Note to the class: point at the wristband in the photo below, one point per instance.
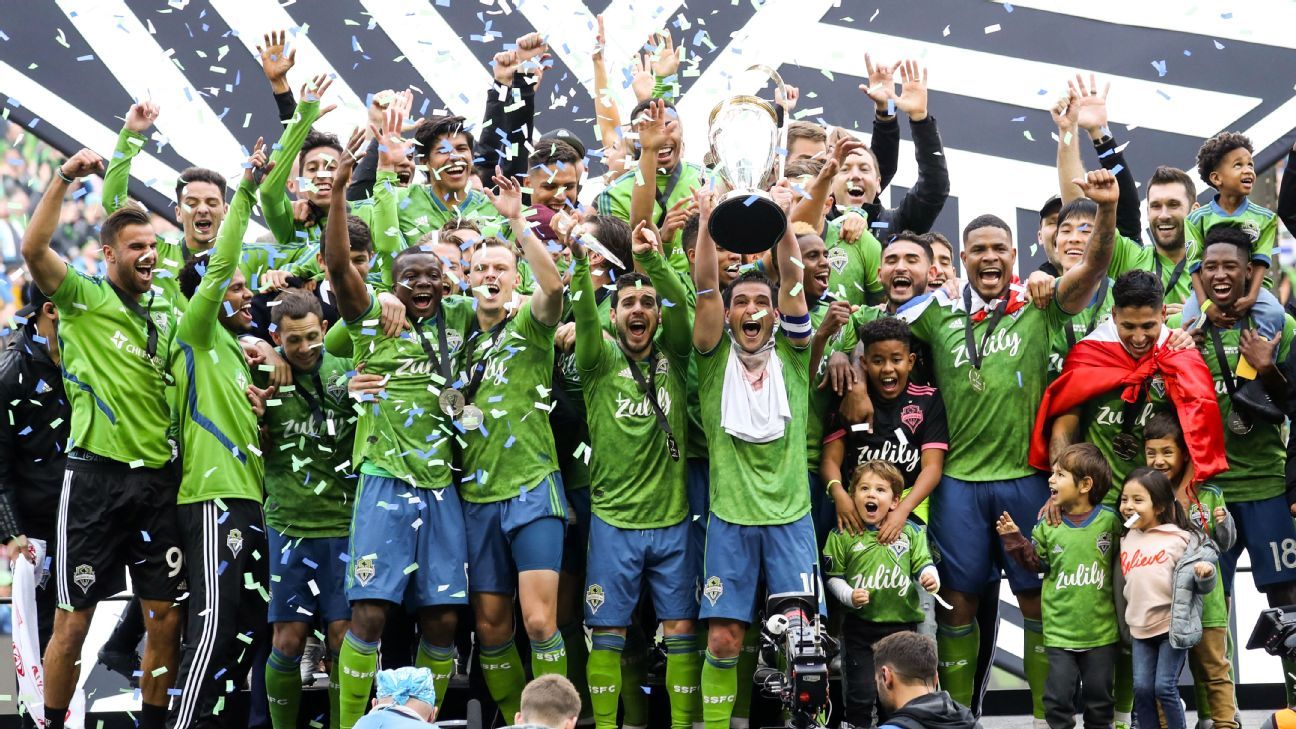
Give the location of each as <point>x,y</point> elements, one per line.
<point>796,326</point>
<point>829,485</point>
<point>63,177</point>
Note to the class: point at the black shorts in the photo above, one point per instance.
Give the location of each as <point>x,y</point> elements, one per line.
<point>110,517</point>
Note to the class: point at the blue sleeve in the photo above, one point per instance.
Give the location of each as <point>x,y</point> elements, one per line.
<point>1268,314</point>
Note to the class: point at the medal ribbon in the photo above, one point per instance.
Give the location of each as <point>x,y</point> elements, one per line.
<point>975,356</point>
<point>649,389</point>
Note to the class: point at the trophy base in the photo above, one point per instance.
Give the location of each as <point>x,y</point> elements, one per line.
<point>747,222</point>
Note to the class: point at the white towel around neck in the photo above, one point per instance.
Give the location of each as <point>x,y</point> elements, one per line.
<point>751,415</point>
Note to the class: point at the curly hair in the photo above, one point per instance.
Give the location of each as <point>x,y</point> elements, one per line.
<point>1214,150</point>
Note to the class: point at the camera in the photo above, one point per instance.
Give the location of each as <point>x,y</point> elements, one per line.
<point>1275,632</point>
<point>795,641</point>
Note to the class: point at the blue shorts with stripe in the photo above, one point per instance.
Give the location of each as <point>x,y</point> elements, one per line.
<point>515,535</point>
<point>407,544</point>
<point>307,579</point>
<point>962,535</point>
<point>739,558</point>
<point>623,560</point>
<point>1266,530</point>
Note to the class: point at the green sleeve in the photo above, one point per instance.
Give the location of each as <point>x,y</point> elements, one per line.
<point>872,264</point>
<point>675,319</point>
<point>1122,255</point>
<point>1039,540</point>
<point>615,199</point>
<point>274,196</point>
<point>117,177</point>
<point>75,289</point>
<point>834,565</point>
<point>384,223</point>
<point>921,557</point>
<point>666,87</point>
<point>1284,346</point>
<point>198,327</point>
<point>1265,243</point>
<point>337,341</point>
<point>1194,235</point>
<point>589,333</point>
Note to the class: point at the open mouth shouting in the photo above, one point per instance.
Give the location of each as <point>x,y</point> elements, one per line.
<point>991,275</point>
<point>854,192</point>
<point>821,278</point>
<point>751,329</point>
<point>872,511</point>
<point>889,384</point>
<point>204,227</point>
<point>144,270</point>
<point>455,171</point>
<point>637,327</point>
<point>901,286</point>
<point>245,314</point>
<point>665,156</point>
<point>422,300</point>
<point>1222,289</point>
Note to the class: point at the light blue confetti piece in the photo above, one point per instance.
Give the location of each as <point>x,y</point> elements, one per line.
<point>509,443</point>
<point>1160,67</point>
<point>1019,378</point>
<point>1226,16</point>
<point>1019,118</point>
<point>1117,169</point>
<point>1218,46</point>
<point>1187,52</point>
<point>1163,94</point>
<point>1008,7</point>
<point>146,537</point>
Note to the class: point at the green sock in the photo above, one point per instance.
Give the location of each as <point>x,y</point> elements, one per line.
<point>1289,683</point>
<point>577,658</point>
<point>441,661</point>
<point>719,687</point>
<point>1124,686</point>
<point>283,689</point>
<point>636,712</point>
<point>502,671</point>
<point>1035,661</point>
<point>683,674</point>
<point>335,717</point>
<point>549,656</point>
<point>357,664</point>
<point>604,673</point>
<point>957,646</point>
<point>746,670</point>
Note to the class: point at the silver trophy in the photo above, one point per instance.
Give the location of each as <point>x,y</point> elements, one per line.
<point>746,134</point>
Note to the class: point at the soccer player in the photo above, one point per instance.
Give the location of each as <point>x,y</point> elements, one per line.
<point>219,504</point>
<point>635,390</point>
<point>407,529</point>
<point>511,482</point>
<point>989,361</point>
<point>754,384</point>
<point>1254,483</point>
<point>118,490</point>
<point>316,159</point>
<point>1075,224</point>
<point>310,491</point>
<point>943,256</point>
<point>555,172</point>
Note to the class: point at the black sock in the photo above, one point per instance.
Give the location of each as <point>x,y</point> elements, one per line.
<point>54,717</point>
<point>152,717</point>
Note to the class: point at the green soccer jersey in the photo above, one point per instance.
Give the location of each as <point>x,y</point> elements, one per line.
<point>220,440</point>
<point>1260,223</point>
<point>420,211</point>
<point>1203,501</point>
<point>757,484</point>
<point>1102,420</point>
<point>823,401</point>
<point>615,201</point>
<point>888,571</point>
<point>635,483</point>
<point>990,428</point>
<point>120,395</point>
<point>1079,326</point>
<point>403,434</point>
<point>275,205</point>
<point>853,267</point>
<point>1128,255</point>
<point>1078,598</point>
<point>1255,459</point>
<point>576,472</point>
<point>310,485</point>
<point>513,450</point>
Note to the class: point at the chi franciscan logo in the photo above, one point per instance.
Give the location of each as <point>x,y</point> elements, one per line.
<point>234,540</point>
<point>713,589</point>
<point>84,577</point>
<point>1104,543</point>
<point>911,415</point>
<point>364,571</point>
<point>595,598</point>
<point>118,339</point>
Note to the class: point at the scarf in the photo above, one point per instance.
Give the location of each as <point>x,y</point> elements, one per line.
<point>747,414</point>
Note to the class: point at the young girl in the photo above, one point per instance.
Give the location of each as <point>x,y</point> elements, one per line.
<point>1167,564</point>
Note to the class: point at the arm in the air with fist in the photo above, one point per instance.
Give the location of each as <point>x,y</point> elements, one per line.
<point>134,134</point>
<point>275,205</point>
<point>46,267</point>
<point>1025,552</point>
<point>1076,288</point>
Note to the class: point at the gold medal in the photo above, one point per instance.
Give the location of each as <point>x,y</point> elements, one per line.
<point>452,402</point>
<point>1125,446</point>
<point>974,377</point>
<point>1238,423</point>
<point>471,417</point>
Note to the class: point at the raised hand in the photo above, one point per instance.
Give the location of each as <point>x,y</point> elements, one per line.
<point>913,90</point>
<point>600,40</point>
<point>666,59</point>
<point>881,83</point>
<point>783,195</point>
<point>1099,186</point>
<point>508,201</point>
<point>655,126</point>
<point>258,163</point>
<point>274,61</point>
<point>644,239</point>
<point>641,77</point>
<point>1091,106</point>
<point>350,157</point>
<point>839,312</point>
<point>705,200</point>
<point>790,103</point>
<point>312,91</point>
<point>393,149</point>
<point>141,116</point>
<point>1065,113</point>
<point>505,65</point>
<point>1006,525</point>
<point>81,164</point>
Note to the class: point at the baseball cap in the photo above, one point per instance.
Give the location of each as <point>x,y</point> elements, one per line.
<point>1052,206</point>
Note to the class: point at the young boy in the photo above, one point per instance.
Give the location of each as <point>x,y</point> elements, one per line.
<point>1164,450</point>
<point>1076,557</point>
<point>909,430</point>
<point>875,580</point>
<point>1224,162</point>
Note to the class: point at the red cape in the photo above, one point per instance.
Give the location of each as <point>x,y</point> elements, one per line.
<point>1098,364</point>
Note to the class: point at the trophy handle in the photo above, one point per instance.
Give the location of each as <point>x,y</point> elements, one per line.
<point>780,160</point>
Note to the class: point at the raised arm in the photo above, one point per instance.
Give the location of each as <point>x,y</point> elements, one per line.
<point>1069,167</point>
<point>655,127</point>
<point>589,331</point>
<point>791,292</point>
<point>276,62</point>
<point>275,205</point>
<point>885,142</point>
<point>1076,288</point>
<point>116,189</point>
<point>547,299</point>
<point>606,113</point>
<point>810,209</point>
<point>708,316</point>
<point>45,266</point>
<point>676,328</point>
<point>923,202</point>
<point>348,285</point>
<point>384,223</point>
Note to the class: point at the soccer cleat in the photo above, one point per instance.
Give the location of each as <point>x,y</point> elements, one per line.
<point>312,657</point>
<point>123,663</point>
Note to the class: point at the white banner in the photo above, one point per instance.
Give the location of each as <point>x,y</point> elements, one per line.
<point>26,641</point>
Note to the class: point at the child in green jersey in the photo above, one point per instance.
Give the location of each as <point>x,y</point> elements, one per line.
<point>1224,162</point>
<point>1081,636</point>
<point>1164,450</point>
<point>875,581</point>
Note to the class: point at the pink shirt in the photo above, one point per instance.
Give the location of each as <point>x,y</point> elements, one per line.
<point>1148,559</point>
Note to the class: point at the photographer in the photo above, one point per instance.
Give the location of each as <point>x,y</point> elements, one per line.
<point>906,686</point>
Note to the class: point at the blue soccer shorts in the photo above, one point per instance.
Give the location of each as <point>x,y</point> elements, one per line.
<point>965,544</point>
<point>307,579</point>
<point>515,535</point>
<point>1266,530</point>
<point>739,557</point>
<point>622,560</point>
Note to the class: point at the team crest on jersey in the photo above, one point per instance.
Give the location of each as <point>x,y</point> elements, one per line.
<point>858,547</point>
<point>454,339</point>
<point>1252,229</point>
<point>336,389</point>
<point>1158,385</point>
<point>713,589</point>
<point>162,321</point>
<point>663,367</point>
<point>1104,543</point>
<point>1196,514</point>
<point>364,571</point>
<point>912,416</point>
<point>900,546</point>
<point>234,540</point>
<point>595,598</point>
<point>838,259</point>
<point>84,577</point>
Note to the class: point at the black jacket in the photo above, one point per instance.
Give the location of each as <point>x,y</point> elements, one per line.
<point>31,445</point>
<point>932,711</point>
<point>923,202</point>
